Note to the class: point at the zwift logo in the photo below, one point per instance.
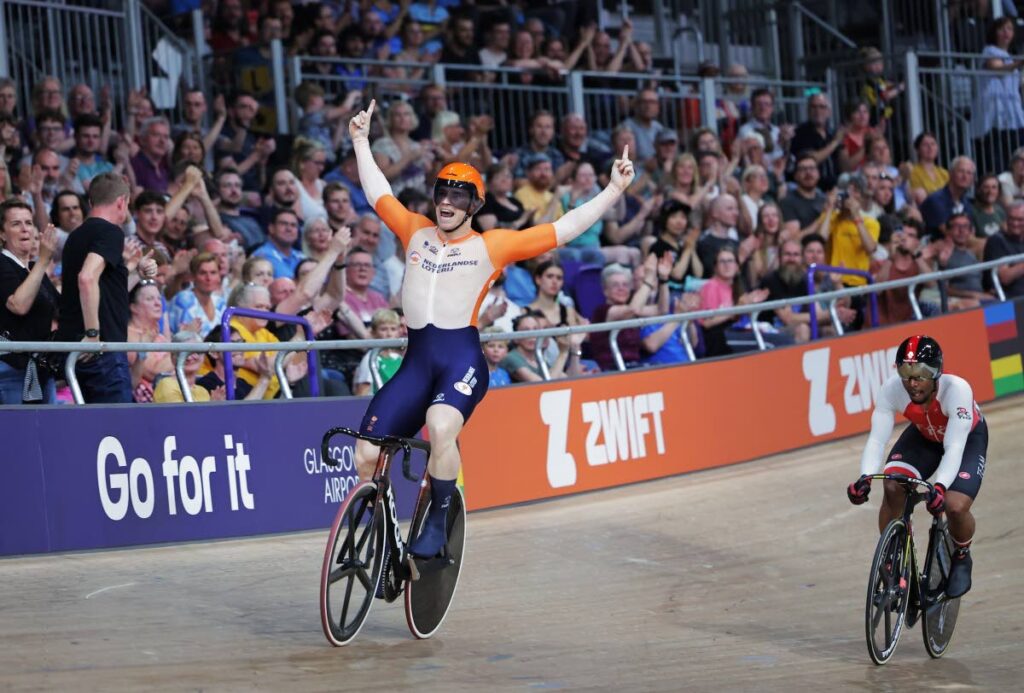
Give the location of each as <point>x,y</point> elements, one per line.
<point>619,430</point>
<point>864,374</point>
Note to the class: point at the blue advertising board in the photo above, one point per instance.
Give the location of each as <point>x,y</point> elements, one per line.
<point>95,477</point>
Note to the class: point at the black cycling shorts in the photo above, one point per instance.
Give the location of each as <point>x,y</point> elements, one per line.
<point>915,455</point>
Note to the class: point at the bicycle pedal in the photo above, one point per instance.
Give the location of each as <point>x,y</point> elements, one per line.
<point>414,571</point>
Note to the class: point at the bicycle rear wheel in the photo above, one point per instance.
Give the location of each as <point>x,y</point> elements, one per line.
<point>352,565</point>
<point>938,618</point>
<point>428,599</point>
<point>888,592</point>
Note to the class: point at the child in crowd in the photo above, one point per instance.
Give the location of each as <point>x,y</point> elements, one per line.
<point>495,352</point>
<point>322,123</point>
<point>876,90</point>
<point>385,324</point>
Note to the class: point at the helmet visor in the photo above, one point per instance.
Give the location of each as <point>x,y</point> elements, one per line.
<point>919,371</point>
<point>457,197</point>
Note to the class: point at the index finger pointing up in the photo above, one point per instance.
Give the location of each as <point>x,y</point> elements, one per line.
<point>625,153</point>
<point>369,110</point>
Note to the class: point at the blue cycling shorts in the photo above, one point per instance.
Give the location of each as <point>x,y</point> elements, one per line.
<point>439,367</point>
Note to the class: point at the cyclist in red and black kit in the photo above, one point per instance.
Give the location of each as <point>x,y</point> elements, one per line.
<point>448,269</point>
<point>947,437</point>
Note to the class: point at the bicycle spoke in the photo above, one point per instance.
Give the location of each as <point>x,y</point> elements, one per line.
<point>344,607</point>
<point>365,579</point>
<point>888,627</point>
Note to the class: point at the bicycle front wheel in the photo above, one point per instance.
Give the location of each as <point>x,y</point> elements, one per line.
<point>352,565</point>
<point>888,592</point>
<point>938,617</point>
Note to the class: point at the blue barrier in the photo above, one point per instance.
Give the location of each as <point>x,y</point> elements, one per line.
<point>88,478</point>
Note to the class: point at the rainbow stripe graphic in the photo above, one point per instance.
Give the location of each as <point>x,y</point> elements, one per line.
<point>1001,322</point>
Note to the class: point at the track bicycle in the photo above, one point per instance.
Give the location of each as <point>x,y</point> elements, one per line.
<point>900,591</point>
<point>367,557</point>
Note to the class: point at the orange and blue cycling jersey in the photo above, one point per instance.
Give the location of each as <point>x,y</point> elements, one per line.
<point>445,283</point>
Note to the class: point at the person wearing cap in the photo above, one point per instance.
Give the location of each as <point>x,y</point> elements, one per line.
<point>537,194</point>
<point>449,269</point>
<point>877,91</point>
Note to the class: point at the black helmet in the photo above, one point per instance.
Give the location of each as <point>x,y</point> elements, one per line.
<point>919,356</point>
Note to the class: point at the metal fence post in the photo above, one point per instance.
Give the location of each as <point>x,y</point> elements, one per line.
<point>661,33</point>
<point>724,56</point>
<point>201,51</point>
<point>280,87</point>
<point>437,72</point>
<point>915,116</point>
<point>133,45</point>
<point>708,113</point>
<point>577,103</point>
<point>773,43</point>
<point>796,40</point>
<point>5,65</point>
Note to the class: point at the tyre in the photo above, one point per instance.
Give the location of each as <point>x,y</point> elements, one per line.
<point>888,592</point>
<point>938,619</point>
<point>352,565</point>
<point>428,599</point>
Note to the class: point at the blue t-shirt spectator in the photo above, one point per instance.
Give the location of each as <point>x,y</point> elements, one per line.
<point>672,351</point>
<point>284,265</point>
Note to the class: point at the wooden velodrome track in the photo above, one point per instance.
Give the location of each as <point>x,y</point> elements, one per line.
<point>750,577</point>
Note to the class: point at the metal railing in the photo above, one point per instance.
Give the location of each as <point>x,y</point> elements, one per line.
<point>118,44</point>
<point>815,269</point>
<point>605,99</point>
<point>311,359</point>
<point>76,349</point>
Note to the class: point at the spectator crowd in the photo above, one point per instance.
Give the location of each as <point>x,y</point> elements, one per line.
<point>149,230</point>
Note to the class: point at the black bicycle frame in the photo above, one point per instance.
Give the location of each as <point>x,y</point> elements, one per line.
<point>388,445</point>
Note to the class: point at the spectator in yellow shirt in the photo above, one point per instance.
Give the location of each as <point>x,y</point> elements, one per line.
<point>853,237</point>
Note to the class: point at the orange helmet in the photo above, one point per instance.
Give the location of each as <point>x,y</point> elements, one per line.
<point>463,177</point>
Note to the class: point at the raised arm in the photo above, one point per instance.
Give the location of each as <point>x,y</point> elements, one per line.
<point>575,222</point>
<point>375,185</point>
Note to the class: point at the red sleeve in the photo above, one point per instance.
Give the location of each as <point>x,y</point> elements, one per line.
<point>506,246</point>
<point>400,220</point>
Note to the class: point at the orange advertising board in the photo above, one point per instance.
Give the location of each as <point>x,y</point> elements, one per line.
<point>538,441</point>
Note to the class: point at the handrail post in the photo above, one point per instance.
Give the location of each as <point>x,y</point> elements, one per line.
<point>998,285</point>
<point>613,342</point>
<point>179,373</point>
<point>375,378</point>
<point>756,329</point>
<point>914,305</point>
<point>72,377</point>
<point>282,377</point>
<point>685,330</point>
<point>201,50</point>
<point>538,353</point>
<point>812,307</point>
<point>837,324</point>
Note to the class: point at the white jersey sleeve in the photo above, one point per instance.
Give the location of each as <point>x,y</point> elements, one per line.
<point>957,402</point>
<point>892,399</point>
